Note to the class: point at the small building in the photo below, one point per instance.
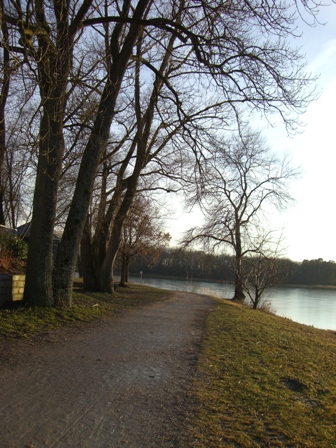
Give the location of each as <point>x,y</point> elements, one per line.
<point>24,233</point>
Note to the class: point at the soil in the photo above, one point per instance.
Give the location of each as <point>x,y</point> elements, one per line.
<point>119,382</point>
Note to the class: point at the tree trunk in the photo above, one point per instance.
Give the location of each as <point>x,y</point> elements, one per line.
<point>123,274</point>
<point>72,234</point>
<point>94,150</point>
<point>106,282</point>
<point>127,269</point>
<point>38,285</point>
<point>121,208</point>
<point>3,100</point>
<point>104,221</point>
<point>101,235</point>
<point>54,63</point>
<point>239,295</point>
<point>106,273</point>
<point>90,281</point>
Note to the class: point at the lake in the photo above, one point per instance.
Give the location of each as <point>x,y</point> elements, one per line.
<point>316,307</point>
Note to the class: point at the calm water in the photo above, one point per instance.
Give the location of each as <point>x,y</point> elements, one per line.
<point>315,307</point>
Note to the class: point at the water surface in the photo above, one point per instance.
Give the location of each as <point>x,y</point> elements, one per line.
<point>316,307</point>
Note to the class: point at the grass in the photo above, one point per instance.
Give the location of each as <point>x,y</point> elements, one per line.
<point>264,381</point>
<point>25,322</point>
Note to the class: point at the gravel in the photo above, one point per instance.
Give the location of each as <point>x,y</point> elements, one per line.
<point>119,382</point>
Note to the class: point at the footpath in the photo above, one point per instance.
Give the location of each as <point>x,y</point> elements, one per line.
<point>120,382</point>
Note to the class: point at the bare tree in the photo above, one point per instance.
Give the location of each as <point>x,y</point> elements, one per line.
<point>244,180</point>
<point>264,269</point>
<point>121,43</point>
<point>19,164</point>
<point>44,34</point>
<point>6,72</point>
<point>142,235</point>
<point>144,152</point>
<point>235,78</point>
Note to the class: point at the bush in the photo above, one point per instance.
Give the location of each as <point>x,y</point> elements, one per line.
<point>13,251</point>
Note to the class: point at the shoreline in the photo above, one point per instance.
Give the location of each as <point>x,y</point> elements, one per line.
<point>223,282</point>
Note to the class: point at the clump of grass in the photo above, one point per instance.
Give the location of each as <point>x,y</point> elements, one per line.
<point>21,321</point>
<point>264,381</point>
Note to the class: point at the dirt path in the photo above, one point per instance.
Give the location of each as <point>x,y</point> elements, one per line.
<point>116,383</point>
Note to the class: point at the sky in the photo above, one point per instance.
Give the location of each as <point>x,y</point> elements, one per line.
<point>309,226</point>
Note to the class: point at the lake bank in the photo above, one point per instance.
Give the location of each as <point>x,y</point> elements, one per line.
<point>264,381</point>
<point>143,277</point>
<point>309,306</point>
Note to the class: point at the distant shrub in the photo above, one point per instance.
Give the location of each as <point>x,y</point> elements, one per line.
<point>266,307</point>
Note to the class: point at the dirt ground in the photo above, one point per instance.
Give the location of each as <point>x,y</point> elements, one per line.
<point>120,382</point>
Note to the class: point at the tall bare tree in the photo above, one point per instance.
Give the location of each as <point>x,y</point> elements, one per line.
<point>45,35</point>
<point>122,41</point>
<point>6,73</point>
<point>213,76</point>
<point>243,181</point>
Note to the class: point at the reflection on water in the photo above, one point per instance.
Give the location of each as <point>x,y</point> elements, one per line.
<point>315,307</point>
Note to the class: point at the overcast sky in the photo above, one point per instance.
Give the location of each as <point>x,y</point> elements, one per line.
<point>310,225</point>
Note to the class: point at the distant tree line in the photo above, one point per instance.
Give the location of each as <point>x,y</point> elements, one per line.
<point>187,264</point>
<point>315,272</point>
<point>196,264</point>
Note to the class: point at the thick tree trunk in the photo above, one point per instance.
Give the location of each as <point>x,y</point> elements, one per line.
<point>38,285</point>
<point>239,295</point>
<point>54,67</point>
<point>72,234</point>
<point>54,63</point>
<point>69,247</point>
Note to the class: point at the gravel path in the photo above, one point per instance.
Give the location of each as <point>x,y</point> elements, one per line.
<point>120,382</point>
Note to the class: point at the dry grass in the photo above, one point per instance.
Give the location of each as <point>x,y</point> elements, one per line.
<point>264,381</point>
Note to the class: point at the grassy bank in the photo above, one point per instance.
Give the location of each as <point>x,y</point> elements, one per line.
<point>25,322</point>
<point>264,381</point>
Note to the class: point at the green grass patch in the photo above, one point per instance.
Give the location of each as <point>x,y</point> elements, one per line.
<point>20,321</point>
<point>264,381</point>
